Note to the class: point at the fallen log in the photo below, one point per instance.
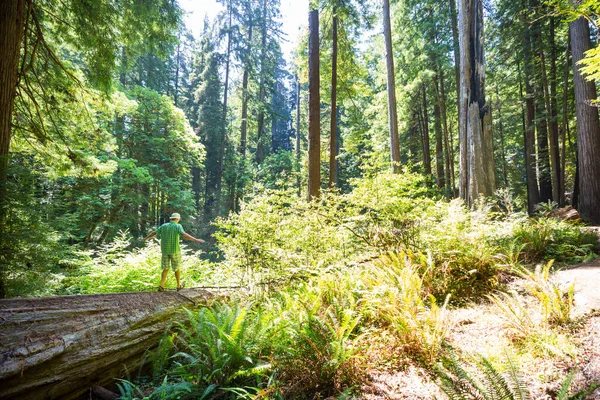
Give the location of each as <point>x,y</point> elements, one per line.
<point>57,347</point>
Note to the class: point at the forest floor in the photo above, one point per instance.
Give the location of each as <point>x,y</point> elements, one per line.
<point>477,329</point>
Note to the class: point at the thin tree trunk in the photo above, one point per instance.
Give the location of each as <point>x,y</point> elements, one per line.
<point>439,147</point>
<point>314,108</point>
<point>533,193</point>
<point>298,181</point>
<point>448,149</point>
<point>426,146</point>
<point>588,126</point>
<point>558,186</point>
<point>260,139</point>
<point>177,62</point>
<point>244,127</point>
<point>565,119</point>
<point>501,133</point>
<point>333,127</point>
<point>225,93</point>
<point>391,89</point>
<point>541,110</point>
<point>456,48</point>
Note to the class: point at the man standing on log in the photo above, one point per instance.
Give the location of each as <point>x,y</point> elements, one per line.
<point>169,234</point>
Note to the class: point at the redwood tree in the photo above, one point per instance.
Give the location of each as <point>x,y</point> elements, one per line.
<point>314,107</point>
<point>588,126</point>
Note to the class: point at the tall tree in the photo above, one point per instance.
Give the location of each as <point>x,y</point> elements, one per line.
<point>314,107</point>
<point>391,89</point>
<point>588,126</point>
<point>477,176</point>
<point>333,125</point>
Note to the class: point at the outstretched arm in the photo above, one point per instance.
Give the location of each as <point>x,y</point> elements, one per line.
<point>193,239</point>
<point>150,236</point>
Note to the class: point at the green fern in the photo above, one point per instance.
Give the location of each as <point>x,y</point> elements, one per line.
<point>486,382</point>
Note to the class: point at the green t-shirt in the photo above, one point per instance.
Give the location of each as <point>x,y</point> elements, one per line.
<point>169,238</point>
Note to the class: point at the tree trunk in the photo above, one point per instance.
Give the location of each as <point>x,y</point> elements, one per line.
<point>12,19</point>
<point>260,137</point>
<point>244,127</point>
<point>57,347</point>
<point>391,89</point>
<point>439,147</point>
<point>565,119</point>
<point>588,126</point>
<point>541,111</point>
<point>501,133</point>
<point>456,48</point>
<point>177,62</point>
<point>314,108</point>
<point>558,186</point>
<point>333,127</point>
<point>224,139</point>
<point>477,175</point>
<point>533,192</point>
<point>447,147</point>
<point>426,147</point>
<point>298,182</point>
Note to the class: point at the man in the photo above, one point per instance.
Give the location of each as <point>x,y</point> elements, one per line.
<point>169,234</point>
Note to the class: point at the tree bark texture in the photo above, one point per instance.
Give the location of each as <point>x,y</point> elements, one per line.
<point>225,94</point>
<point>57,347</point>
<point>588,126</point>
<point>12,20</point>
<point>391,89</point>
<point>314,108</point>
<point>477,175</point>
<point>426,146</point>
<point>333,126</point>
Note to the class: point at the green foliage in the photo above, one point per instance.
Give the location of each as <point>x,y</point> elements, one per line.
<point>222,346</point>
<point>398,297</point>
<point>318,345</point>
<point>487,381</point>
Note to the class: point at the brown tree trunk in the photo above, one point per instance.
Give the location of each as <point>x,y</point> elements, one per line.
<point>501,133</point>
<point>477,175</point>
<point>439,147</point>
<point>333,127</point>
<point>225,93</point>
<point>260,136</point>
<point>558,186</point>
<point>314,108</point>
<point>298,183</point>
<point>533,193</point>
<point>57,347</point>
<point>12,20</point>
<point>588,126</point>
<point>565,120</point>
<point>391,89</point>
<point>426,146</point>
<point>447,147</point>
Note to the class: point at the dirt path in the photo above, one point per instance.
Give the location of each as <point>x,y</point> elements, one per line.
<point>587,285</point>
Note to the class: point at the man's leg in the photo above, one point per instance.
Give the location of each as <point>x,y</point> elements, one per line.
<point>176,262</point>
<point>163,278</point>
<point>178,278</point>
<point>164,263</point>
